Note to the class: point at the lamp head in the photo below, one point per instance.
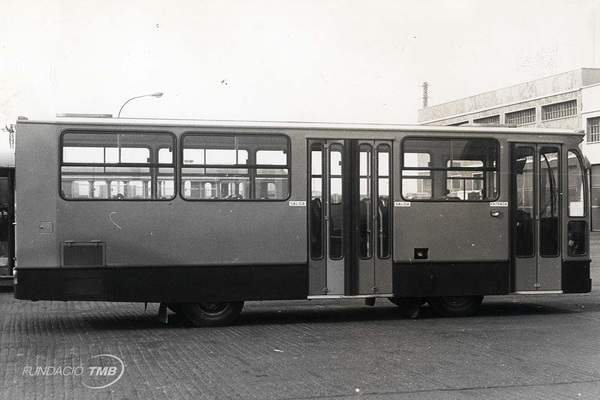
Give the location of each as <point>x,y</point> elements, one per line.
<point>157,94</point>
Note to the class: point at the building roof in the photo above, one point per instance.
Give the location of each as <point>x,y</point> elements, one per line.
<point>552,85</point>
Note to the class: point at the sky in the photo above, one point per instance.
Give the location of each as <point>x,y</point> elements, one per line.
<point>318,61</point>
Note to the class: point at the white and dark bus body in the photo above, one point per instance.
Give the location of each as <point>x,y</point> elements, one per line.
<point>202,216</point>
<point>7,213</point>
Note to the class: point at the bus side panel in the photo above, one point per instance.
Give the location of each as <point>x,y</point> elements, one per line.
<point>451,279</point>
<point>575,276</point>
<point>451,231</point>
<point>173,250</point>
<point>173,284</point>
<point>450,249</point>
<point>195,233</point>
<point>188,233</point>
<point>36,165</point>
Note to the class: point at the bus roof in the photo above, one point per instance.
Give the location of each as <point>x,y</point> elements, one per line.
<point>155,122</point>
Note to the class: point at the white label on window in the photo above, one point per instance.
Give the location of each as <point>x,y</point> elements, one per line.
<point>499,204</point>
<point>297,203</point>
<point>402,204</point>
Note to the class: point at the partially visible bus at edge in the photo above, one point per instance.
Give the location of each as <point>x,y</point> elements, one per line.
<point>203,216</point>
<point>7,213</point>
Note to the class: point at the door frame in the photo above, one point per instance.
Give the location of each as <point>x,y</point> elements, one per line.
<point>350,275</point>
<point>546,268</point>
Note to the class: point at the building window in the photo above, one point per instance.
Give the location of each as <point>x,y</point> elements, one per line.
<point>521,117</point>
<point>593,129</point>
<point>493,119</point>
<point>559,110</point>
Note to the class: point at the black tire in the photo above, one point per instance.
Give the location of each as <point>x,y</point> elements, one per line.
<point>211,313</point>
<point>456,306</point>
<point>398,300</point>
<point>409,306</point>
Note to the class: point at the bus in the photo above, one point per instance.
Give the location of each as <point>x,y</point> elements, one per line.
<point>7,212</point>
<point>201,216</point>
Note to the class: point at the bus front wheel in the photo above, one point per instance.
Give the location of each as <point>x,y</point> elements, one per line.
<point>456,306</point>
<point>212,313</point>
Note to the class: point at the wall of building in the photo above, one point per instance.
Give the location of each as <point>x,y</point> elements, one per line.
<point>591,109</point>
<point>541,90</point>
<point>571,122</point>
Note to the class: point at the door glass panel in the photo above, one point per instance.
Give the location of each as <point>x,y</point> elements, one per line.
<point>383,201</point>
<point>4,221</point>
<point>595,197</point>
<point>549,205</point>
<point>365,220</point>
<point>577,238</point>
<point>576,188</point>
<point>336,227</point>
<point>316,202</point>
<point>525,201</point>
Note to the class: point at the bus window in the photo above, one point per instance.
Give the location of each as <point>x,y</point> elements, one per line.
<point>271,181</point>
<point>416,180</point>
<point>465,184</point>
<point>100,189</point>
<point>240,167</point>
<point>549,205</point>
<point>524,201</point>
<point>450,169</point>
<point>577,238</point>
<point>336,225</point>
<point>316,206</point>
<point>116,166</point>
<point>383,197</point>
<point>576,186</point>
<point>365,225</point>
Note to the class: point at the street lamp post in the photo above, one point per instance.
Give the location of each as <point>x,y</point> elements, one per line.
<point>157,95</point>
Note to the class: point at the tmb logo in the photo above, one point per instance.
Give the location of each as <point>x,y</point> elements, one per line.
<point>103,370</point>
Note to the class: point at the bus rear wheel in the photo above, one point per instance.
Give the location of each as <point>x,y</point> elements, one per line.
<point>211,313</point>
<point>456,306</point>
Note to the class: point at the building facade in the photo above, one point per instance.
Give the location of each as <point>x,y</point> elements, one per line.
<point>570,100</point>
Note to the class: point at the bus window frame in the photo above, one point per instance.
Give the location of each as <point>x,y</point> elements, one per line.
<point>157,166</point>
<point>586,189</point>
<point>415,177</point>
<point>252,168</point>
<point>491,170</point>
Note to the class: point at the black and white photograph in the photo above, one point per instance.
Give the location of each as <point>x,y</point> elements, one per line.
<point>300,199</point>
